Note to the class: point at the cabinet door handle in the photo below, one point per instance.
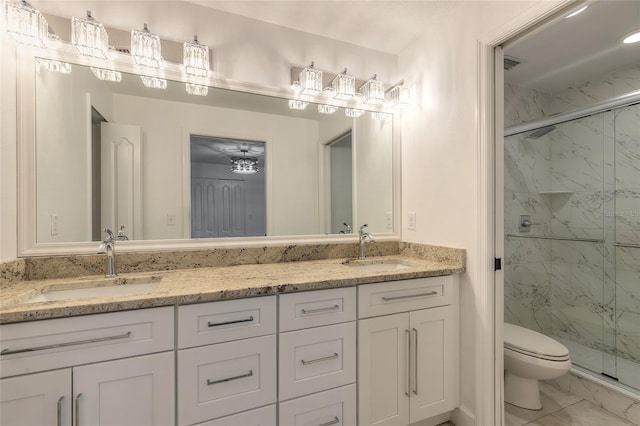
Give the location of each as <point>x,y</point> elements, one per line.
<point>218,324</point>
<point>215,382</point>
<point>63,345</point>
<point>408,296</point>
<point>77,409</point>
<point>415,361</point>
<point>60,410</point>
<point>313,311</point>
<point>407,334</point>
<point>331,422</point>
<point>313,361</point>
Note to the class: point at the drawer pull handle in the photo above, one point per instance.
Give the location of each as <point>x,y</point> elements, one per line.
<point>313,361</point>
<point>409,296</point>
<point>64,345</point>
<point>60,410</point>
<point>242,376</point>
<point>331,422</point>
<point>218,324</point>
<point>313,311</point>
<point>77,409</point>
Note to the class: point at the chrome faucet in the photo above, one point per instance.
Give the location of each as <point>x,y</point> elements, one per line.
<point>363,236</point>
<point>108,247</point>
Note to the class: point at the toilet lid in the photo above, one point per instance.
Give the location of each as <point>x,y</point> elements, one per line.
<point>533,343</point>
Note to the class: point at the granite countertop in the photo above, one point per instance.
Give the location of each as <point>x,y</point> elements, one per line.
<point>186,286</point>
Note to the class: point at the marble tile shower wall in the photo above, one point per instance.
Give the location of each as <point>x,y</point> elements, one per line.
<point>571,289</point>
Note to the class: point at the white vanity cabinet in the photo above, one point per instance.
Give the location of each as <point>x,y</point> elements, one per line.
<point>317,358</point>
<point>227,361</point>
<point>106,369</point>
<point>408,343</point>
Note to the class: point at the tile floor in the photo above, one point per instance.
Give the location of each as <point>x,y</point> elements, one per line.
<point>562,409</point>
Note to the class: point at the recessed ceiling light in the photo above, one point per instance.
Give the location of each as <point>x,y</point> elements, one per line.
<point>571,15</point>
<point>632,38</point>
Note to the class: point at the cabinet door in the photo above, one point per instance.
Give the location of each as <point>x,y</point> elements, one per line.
<point>42,399</point>
<point>434,378</point>
<point>383,370</point>
<point>128,392</point>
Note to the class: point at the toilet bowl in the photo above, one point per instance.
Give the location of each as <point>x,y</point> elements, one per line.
<point>528,357</point>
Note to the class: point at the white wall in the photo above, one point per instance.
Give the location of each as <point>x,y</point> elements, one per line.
<point>440,154</point>
<point>291,155</point>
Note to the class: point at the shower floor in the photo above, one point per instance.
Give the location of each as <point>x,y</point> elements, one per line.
<point>628,372</point>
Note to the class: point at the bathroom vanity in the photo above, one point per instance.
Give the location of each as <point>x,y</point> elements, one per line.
<point>252,344</point>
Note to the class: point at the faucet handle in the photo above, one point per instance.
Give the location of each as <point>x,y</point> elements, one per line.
<point>362,228</point>
<point>121,235</point>
<point>110,236</point>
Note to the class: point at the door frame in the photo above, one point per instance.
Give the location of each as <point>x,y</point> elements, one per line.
<point>490,116</point>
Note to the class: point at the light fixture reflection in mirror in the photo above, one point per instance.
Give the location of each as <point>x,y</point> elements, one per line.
<point>244,165</point>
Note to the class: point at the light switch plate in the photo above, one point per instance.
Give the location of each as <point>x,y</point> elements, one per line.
<point>412,221</point>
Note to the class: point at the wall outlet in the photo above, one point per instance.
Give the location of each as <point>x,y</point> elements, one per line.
<point>412,221</point>
<point>54,224</point>
<point>172,219</point>
<point>389,221</point>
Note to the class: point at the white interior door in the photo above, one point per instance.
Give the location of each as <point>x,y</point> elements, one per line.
<point>121,174</point>
<point>218,208</point>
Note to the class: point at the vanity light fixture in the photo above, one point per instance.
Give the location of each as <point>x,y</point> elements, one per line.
<point>89,36</point>
<point>196,58</point>
<point>373,91</point>
<point>297,104</point>
<point>310,80</point>
<point>400,96</point>
<point>632,38</point>
<point>154,82</point>
<point>107,75</point>
<point>244,165</point>
<point>353,112</point>
<point>344,86</point>
<point>327,109</point>
<point>55,66</point>
<point>197,89</point>
<point>26,24</point>
<point>145,48</point>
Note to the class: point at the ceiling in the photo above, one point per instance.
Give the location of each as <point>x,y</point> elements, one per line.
<point>576,49</point>
<point>220,150</point>
<point>566,53</point>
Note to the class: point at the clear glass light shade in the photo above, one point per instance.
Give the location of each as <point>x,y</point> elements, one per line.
<point>297,104</point>
<point>107,75</point>
<point>26,24</point>
<point>310,81</point>
<point>327,109</point>
<point>373,92</point>
<point>344,86</point>
<point>196,58</point>
<point>154,82</point>
<point>197,89</point>
<point>354,113</point>
<point>89,37</point>
<point>55,66</point>
<point>400,97</point>
<point>145,48</point>
<point>244,165</point>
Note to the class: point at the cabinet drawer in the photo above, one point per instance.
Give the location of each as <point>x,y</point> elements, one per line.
<point>265,416</point>
<point>336,407</point>
<point>219,322</point>
<point>407,295</point>
<point>45,345</point>
<point>218,380</point>
<point>311,361</point>
<point>316,308</point>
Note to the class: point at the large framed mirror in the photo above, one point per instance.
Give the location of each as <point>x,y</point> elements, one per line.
<point>156,164</point>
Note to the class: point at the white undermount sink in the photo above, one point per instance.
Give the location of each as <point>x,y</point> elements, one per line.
<point>373,265</point>
<point>107,287</point>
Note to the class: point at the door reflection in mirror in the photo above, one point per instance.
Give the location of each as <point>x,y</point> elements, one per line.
<point>340,172</point>
<point>223,203</point>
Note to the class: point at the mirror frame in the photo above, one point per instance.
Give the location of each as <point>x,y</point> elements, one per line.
<point>26,142</point>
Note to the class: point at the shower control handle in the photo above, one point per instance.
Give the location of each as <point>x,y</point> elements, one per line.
<point>526,223</point>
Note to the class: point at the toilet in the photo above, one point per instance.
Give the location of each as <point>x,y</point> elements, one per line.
<point>528,357</point>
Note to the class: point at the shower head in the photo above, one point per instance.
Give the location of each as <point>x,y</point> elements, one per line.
<point>538,133</point>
